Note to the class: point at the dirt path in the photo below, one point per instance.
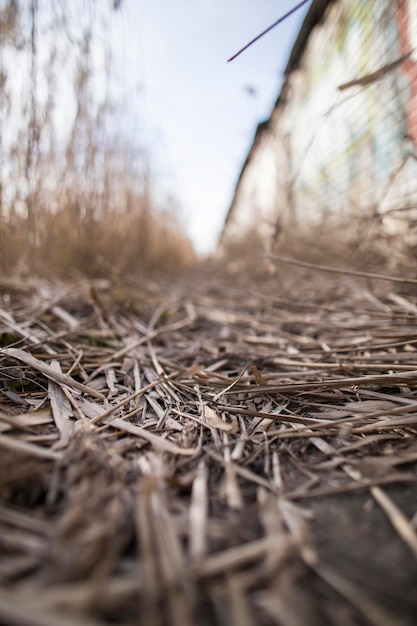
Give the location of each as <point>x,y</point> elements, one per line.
<point>212,449</point>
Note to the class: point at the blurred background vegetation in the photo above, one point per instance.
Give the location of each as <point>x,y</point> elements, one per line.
<point>75,182</point>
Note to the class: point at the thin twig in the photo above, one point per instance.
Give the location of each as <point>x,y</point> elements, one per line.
<point>281,19</point>
<point>346,272</point>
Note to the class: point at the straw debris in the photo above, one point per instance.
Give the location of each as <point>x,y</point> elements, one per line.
<point>232,448</point>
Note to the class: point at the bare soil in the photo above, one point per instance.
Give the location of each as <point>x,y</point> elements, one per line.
<point>228,446</point>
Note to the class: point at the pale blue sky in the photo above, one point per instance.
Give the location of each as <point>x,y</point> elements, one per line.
<point>193,108</point>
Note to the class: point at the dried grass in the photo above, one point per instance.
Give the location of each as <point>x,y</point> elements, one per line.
<point>233,448</point>
<point>126,233</point>
<point>75,179</point>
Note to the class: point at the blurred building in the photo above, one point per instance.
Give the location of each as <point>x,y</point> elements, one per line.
<point>341,140</point>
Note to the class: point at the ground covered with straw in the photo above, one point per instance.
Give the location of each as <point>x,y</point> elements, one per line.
<point>216,448</point>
